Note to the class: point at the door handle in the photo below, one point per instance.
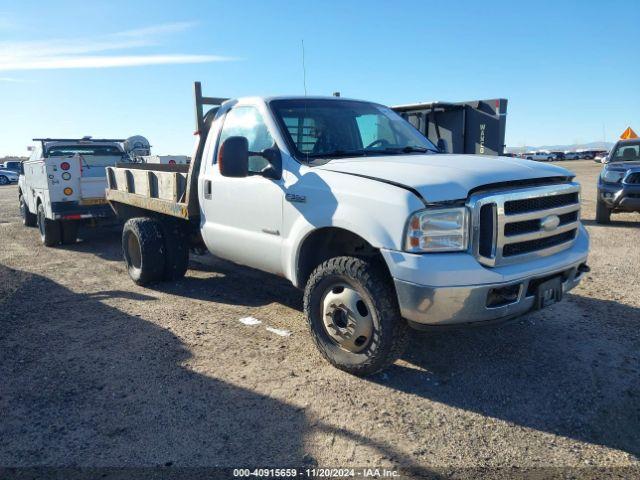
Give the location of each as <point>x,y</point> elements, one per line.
<point>207,189</point>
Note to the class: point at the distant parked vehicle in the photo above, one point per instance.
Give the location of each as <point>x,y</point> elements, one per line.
<point>7,177</point>
<point>619,181</point>
<point>600,156</point>
<point>559,156</point>
<point>572,156</point>
<point>539,156</point>
<point>587,154</point>
<point>13,165</point>
<point>166,159</point>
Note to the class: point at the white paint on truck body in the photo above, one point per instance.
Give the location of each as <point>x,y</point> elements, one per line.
<point>66,179</point>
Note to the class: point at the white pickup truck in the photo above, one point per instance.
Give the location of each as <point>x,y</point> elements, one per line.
<point>352,204</point>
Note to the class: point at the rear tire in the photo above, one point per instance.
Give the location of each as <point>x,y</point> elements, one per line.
<point>365,284</point>
<point>603,213</point>
<point>143,250</point>
<point>176,243</point>
<point>50,232</point>
<point>28,218</point>
<point>69,232</point>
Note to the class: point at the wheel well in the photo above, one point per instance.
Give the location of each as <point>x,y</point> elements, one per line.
<point>325,243</point>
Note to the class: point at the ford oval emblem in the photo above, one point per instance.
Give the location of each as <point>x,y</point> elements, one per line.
<point>550,223</point>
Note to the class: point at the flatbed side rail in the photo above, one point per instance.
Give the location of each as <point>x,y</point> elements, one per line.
<point>155,190</point>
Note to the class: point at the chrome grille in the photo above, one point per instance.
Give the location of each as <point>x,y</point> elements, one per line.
<point>521,224</point>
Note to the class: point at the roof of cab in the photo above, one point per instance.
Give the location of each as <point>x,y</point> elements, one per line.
<point>300,97</point>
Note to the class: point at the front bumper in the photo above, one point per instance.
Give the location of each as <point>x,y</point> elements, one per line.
<point>454,305</point>
<point>620,196</point>
<point>448,289</point>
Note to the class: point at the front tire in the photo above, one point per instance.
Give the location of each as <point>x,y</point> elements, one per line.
<point>603,213</point>
<point>4,180</point>
<point>50,232</point>
<point>353,315</point>
<point>143,250</point>
<point>28,218</point>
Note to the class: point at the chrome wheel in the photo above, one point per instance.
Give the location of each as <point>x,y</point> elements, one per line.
<point>346,317</point>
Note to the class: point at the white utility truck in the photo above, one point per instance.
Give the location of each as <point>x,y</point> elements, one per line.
<point>352,204</point>
<point>63,184</point>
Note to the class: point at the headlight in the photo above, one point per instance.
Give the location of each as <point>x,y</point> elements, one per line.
<point>438,230</point>
<point>611,176</point>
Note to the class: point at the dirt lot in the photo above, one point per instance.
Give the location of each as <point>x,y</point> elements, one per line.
<point>95,371</point>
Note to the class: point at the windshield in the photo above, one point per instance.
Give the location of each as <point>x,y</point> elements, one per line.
<point>323,128</point>
<point>90,150</point>
<point>626,152</point>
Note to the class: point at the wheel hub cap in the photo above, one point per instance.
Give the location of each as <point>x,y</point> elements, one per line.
<point>346,318</point>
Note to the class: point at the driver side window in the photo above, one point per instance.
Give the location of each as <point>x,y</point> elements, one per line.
<point>247,122</point>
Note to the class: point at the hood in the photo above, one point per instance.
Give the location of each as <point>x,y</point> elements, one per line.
<point>622,166</point>
<point>444,177</point>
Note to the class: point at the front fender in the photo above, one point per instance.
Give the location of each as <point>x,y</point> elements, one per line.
<point>379,217</point>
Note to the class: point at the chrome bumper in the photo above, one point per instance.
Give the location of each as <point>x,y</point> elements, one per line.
<point>424,305</point>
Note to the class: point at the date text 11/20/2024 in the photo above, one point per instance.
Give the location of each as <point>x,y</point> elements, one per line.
<point>316,473</point>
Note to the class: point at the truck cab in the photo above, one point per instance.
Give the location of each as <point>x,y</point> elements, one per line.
<point>355,206</point>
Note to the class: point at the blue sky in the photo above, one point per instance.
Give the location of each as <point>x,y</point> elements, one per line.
<point>570,70</point>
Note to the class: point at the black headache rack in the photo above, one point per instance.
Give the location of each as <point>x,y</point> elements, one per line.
<point>203,122</point>
<point>475,127</point>
<point>200,102</point>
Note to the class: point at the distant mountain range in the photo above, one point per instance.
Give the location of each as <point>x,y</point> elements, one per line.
<point>562,148</point>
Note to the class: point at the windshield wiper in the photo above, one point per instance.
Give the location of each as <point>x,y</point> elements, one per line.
<point>410,149</point>
<point>338,153</point>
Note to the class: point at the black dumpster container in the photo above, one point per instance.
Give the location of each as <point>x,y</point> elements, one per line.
<point>476,127</point>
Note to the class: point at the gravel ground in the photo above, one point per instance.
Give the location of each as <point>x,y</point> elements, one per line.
<point>95,371</point>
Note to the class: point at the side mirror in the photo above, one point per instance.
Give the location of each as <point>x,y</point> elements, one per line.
<point>30,148</point>
<point>442,145</point>
<point>274,169</point>
<point>233,157</point>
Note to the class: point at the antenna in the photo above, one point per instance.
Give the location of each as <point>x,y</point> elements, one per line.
<point>304,71</point>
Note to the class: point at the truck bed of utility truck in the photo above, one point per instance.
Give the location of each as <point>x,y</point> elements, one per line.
<point>351,203</point>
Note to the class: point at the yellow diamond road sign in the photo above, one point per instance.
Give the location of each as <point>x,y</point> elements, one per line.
<point>627,134</point>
